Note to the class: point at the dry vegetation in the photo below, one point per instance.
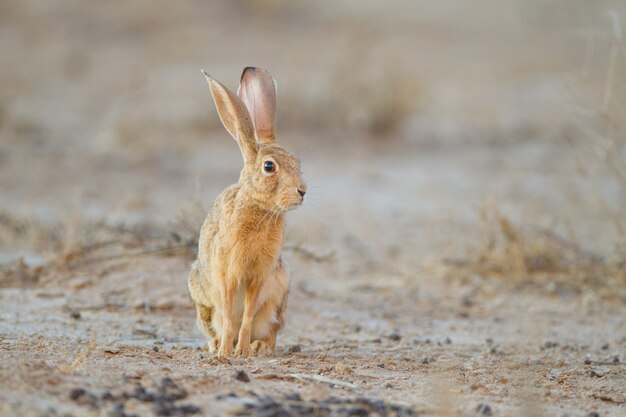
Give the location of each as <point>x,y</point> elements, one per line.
<point>541,258</point>
<point>597,137</point>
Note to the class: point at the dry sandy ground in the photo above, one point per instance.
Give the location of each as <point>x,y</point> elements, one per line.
<point>410,123</point>
<point>441,347</point>
<point>371,314</point>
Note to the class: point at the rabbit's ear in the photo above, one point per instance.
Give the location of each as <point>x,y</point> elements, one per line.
<point>235,118</point>
<point>257,90</point>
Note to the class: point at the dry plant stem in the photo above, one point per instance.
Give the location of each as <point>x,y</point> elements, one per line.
<point>127,255</point>
<point>617,38</point>
<point>82,355</point>
<point>326,380</point>
<point>307,254</point>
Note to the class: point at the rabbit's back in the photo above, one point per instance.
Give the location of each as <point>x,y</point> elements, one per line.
<point>221,212</point>
<point>202,273</point>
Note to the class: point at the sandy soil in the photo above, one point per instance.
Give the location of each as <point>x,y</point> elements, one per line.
<point>110,157</point>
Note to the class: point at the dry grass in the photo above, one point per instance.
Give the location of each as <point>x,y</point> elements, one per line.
<point>538,256</point>
<point>76,244</point>
<point>369,97</point>
<point>598,104</point>
<point>598,143</point>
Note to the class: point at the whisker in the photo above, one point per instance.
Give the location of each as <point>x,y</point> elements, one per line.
<point>269,212</point>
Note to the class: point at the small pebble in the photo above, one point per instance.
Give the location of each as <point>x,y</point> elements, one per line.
<point>448,341</point>
<point>242,376</point>
<point>107,396</point>
<point>118,411</point>
<point>294,349</point>
<point>293,397</point>
<point>395,336</point>
<point>76,393</point>
<point>587,361</point>
<point>555,373</point>
<point>484,409</point>
<point>605,346</point>
<point>593,414</point>
<point>599,372</point>
<point>75,315</point>
<point>425,361</point>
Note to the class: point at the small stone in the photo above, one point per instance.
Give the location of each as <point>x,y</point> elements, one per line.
<point>155,348</point>
<point>484,409</point>
<point>294,349</point>
<point>242,376</point>
<point>467,301</point>
<point>395,336</point>
<point>593,414</point>
<point>293,397</point>
<point>605,346</point>
<point>118,411</point>
<point>599,372</point>
<point>75,315</point>
<point>448,341</point>
<point>555,373</point>
<point>107,396</point>
<point>188,409</point>
<point>388,385</point>
<point>76,393</point>
<point>587,361</point>
<point>425,361</point>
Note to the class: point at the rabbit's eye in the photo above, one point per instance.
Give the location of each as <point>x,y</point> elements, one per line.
<point>269,166</point>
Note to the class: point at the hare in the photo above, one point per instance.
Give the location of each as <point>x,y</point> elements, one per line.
<point>239,282</point>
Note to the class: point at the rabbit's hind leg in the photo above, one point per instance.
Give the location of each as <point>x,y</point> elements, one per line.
<point>204,321</point>
<point>272,320</point>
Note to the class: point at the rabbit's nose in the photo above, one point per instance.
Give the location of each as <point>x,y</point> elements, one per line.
<point>301,192</point>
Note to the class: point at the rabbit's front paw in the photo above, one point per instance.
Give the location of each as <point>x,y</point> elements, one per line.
<point>242,350</point>
<point>225,350</point>
<point>261,348</point>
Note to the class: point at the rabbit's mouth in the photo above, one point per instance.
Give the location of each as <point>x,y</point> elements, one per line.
<point>293,205</point>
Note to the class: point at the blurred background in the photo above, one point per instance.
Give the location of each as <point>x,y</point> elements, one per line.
<point>464,225</point>
<point>418,123</point>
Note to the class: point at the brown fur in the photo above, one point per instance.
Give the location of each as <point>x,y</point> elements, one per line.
<point>239,282</point>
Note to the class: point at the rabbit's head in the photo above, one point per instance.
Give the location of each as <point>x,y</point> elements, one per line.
<point>271,176</point>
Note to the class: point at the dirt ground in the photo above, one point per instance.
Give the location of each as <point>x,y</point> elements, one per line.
<point>460,253</point>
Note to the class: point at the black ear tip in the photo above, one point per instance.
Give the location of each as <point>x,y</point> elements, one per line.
<point>247,69</point>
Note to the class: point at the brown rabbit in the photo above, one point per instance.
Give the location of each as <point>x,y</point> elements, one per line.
<point>239,282</point>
